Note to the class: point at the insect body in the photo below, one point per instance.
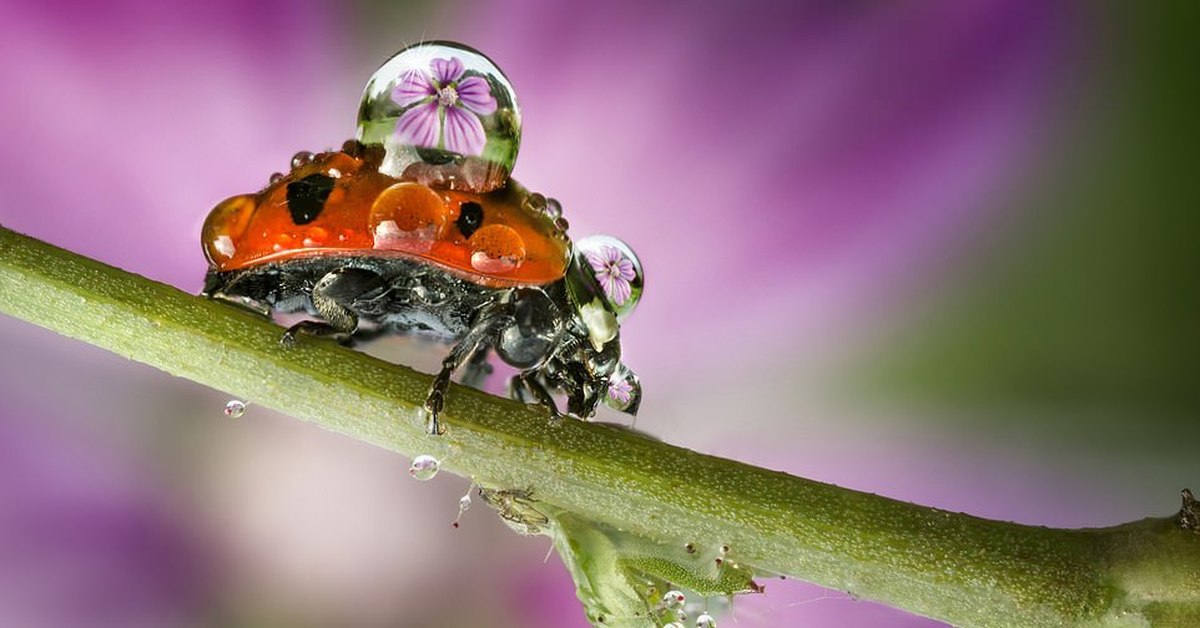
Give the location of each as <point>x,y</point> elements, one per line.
<point>415,228</point>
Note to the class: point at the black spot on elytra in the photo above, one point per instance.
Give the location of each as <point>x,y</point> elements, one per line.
<point>470,217</point>
<point>306,197</point>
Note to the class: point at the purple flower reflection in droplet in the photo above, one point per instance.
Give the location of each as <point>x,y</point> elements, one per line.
<point>620,391</point>
<point>444,105</point>
<point>614,271</point>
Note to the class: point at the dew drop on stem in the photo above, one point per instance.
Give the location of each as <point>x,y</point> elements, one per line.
<point>464,503</point>
<point>235,409</point>
<point>424,467</point>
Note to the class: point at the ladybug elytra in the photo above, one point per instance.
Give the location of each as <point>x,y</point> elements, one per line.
<point>414,227</point>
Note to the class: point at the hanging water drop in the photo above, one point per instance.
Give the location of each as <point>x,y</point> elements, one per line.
<point>464,503</point>
<point>424,467</point>
<point>674,599</point>
<point>706,621</point>
<point>235,409</point>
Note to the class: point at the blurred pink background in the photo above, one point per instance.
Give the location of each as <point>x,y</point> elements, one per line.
<point>937,251</point>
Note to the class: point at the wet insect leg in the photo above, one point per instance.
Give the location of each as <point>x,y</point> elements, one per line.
<point>526,388</point>
<point>491,318</point>
<point>476,369</point>
<point>332,296</point>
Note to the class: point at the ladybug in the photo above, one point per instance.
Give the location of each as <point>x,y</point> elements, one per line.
<point>414,227</point>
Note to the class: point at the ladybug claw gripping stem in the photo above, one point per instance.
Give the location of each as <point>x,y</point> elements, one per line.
<point>312,328</point>
<point>527,389</point>
<point>434,403</point>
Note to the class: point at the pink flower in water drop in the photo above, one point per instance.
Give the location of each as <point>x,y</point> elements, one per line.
<point>620,390</point>
<point>447,106</point>
<point>614,271</point>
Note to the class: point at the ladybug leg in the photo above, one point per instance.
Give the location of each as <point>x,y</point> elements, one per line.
<point>527,388</point>
<point>316,329</point>
<point>476,370</point>
<point>491,318</point>
<point>333,297</point>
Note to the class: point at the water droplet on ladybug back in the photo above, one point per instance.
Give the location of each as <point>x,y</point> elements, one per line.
<point>407,217</point>
<point>446,116</point>
<point>496,249</point>
<point>301,158</point>
<point>424,467</point>
<point>235,409</point>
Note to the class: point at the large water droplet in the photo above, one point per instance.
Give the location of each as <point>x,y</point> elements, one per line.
<point>616,270</point>
<point>235,409</point>
<point>445,115</point>
<point>424,467</point>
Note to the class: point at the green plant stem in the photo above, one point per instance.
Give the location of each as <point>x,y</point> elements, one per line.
<point>951,566</point>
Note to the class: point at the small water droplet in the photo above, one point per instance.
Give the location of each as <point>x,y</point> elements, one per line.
<point>674,599</point>
<point>301,158</point>
<point>535,203</point>
<point>724,549</point>
<point>275,177</point>
<point>424,467</point>
<point>675,624</point>
<point>689,548</point>
<point>706,621</point>
<point>235,409</point>
<point>554,209</point>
